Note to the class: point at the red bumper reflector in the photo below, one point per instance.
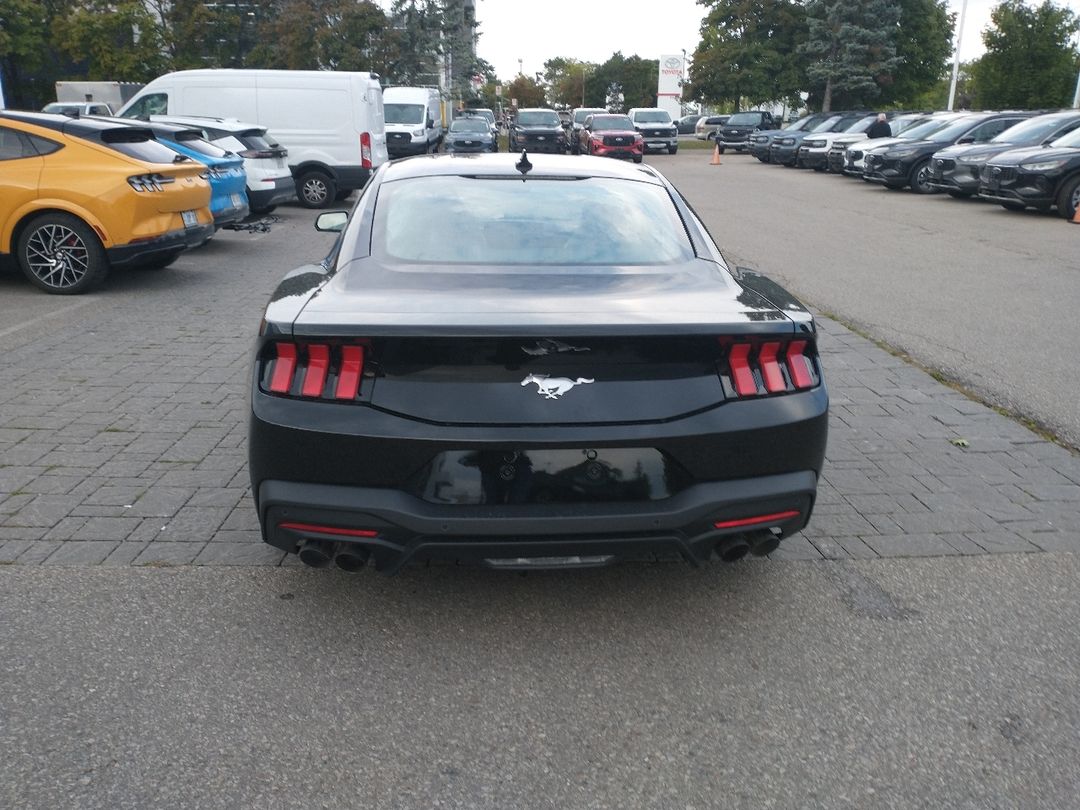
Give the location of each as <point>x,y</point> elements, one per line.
<point>352,366</point>
<point>741,374</point>
<point>753,521</point>
<point>317,366</point>
<point>284,365</point>
<point>312,527</point>
<point>796,360</point>
<point>770,368</point>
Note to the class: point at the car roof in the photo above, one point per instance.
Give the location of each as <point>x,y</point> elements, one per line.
<point>505,165</point>
<point>84,127</point>
<point>159,128</point>
<point>207,122</point>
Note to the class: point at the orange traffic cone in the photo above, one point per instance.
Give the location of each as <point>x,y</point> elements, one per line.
<point>715,155</point>
<point>1076,216</point>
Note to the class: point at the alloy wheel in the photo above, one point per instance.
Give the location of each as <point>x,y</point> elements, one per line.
<point>57,256</point>
<point>315,191</point>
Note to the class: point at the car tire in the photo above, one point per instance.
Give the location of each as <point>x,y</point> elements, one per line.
<point>638,158</point>
<point>1068,199</point>
<point>919,179</point>
<point>671,150</point>
<point>55,238</point>
<point>315,189</point>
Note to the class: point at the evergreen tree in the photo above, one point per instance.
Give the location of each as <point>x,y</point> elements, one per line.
<point>851,45</point>
<point>1029,62</point>
<point>924,40</point>
<point>749,50</point>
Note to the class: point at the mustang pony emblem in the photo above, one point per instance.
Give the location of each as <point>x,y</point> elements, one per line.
<point>553,387</point>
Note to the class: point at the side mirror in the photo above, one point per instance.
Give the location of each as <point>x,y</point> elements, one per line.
<point>332,221</point>
<point>967,139</point>
<point>430,123</point>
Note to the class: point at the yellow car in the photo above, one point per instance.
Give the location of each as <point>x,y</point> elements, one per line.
<point>78,196</point>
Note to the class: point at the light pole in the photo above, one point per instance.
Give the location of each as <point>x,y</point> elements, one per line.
<point>583,67</point>
<point>956,56</point>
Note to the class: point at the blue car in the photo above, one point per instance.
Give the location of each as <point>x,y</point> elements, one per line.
<point>224,169</point>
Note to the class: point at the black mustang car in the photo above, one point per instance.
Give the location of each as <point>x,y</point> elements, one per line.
<point>956,169</point>
<point>538,130</point>
<point>1041,177</point>
<point>908,163</point>
<point>531,361</point>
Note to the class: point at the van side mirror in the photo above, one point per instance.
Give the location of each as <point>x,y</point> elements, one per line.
<point>430,123</point>
<point>332,221</point>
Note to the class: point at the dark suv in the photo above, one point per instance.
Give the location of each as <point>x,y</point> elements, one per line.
<point>1040,177</point>
<point>908,163</point>
<point>956,169</point>
<point>538,130</point>
<point>735,134</point>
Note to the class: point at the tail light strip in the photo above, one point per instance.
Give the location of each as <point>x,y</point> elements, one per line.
<point>315,370</point>
<point>758,368</point>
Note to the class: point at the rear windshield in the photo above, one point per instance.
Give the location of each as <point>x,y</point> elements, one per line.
<point>403,113</point>
<point>652,117</point>
<point>538,118</point>
<point>136,144</point>
<point>192,141</point>
<point>611,122</point>
<point>256,140</point>
<point>506,222</point>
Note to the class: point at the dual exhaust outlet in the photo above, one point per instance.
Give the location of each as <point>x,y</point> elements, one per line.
<point>320,553</point>
<point>759,543</point>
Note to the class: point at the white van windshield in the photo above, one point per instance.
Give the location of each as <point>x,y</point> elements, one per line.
<point>403,113</point>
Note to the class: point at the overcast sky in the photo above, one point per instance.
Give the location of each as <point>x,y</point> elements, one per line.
<point>534,32</point>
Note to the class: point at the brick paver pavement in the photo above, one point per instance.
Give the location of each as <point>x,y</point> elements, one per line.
<point>123,429</point>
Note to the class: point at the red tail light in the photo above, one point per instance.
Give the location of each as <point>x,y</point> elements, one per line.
<point>313,370</point>
<point>762,367</point>
<point>365,150</point>
<point>775,517</point>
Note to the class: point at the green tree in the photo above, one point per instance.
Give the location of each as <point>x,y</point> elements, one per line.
<point>623,82</point>
<point>528,92</point>
<point>923,44</point>
<point>24,32</point>
<point>851,45</point>
<point>749,50</point>
<point>566,80</point>
<point>415,42</point>
<point>1029,62</point>
<point>117,41</point>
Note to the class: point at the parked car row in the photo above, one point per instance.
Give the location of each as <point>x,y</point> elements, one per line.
<point>1016,158</point>
<point>82,195</point>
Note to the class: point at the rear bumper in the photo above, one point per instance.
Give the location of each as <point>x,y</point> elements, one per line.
<point>405,529</point>
<point>271,192</point>
<point>164,244</point>
<point>359,468</point>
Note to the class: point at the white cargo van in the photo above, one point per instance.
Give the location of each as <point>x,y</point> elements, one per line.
<point>331,122</point>
<point>413,120</point>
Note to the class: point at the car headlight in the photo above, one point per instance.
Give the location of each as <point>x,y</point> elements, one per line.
<point>973,159</point>
<point>786,141</point>
<point>902,153</point>
<point>418,132</point>
<point>1044,165</point>
<point>814,144</point>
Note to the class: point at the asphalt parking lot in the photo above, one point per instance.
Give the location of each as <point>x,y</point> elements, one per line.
<point>914,647</point>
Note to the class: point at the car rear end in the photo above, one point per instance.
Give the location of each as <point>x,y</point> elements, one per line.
<point>224,171</point>
<point>455,403</point>
<point>156,202</point>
